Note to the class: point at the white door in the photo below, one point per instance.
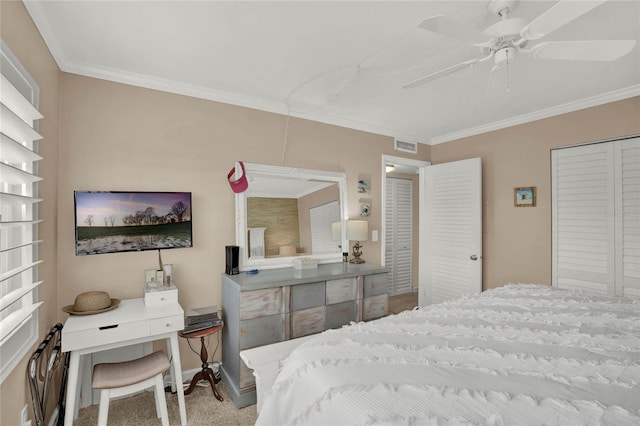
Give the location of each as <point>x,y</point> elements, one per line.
<point>583,244</point>
<point>399,234</point>
<point>595,228</point>
<point>451,231</point>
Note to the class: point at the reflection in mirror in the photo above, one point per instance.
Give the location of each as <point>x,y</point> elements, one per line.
<point>289,212</point>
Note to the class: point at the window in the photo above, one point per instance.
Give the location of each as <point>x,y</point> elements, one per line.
<point>18,212</point>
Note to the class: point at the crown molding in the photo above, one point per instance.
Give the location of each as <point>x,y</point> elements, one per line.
<point>278,107</point>
<point>171,86</point>
<point>589,102</point>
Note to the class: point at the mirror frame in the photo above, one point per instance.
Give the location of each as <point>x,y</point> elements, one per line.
<point>252,169</point>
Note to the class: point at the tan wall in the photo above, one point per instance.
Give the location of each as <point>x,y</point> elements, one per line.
<point>119,137</point>
<point>19,33</point>
<point>517,240</point>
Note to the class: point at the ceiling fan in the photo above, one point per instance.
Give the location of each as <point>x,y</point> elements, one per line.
<point>503,40</point>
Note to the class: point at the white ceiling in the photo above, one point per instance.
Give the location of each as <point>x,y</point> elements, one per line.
<point>339,62</point>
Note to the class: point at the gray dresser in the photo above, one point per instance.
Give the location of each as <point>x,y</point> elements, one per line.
<point>281,304</point>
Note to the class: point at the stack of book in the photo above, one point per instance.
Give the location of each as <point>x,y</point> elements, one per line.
<point>201,318</point>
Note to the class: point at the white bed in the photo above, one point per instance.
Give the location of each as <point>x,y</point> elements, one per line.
<point>516,355</point>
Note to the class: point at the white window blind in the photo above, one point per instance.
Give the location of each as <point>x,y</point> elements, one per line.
<point>18,212</point>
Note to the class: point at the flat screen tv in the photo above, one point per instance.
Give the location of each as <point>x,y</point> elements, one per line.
<point>119,221</point>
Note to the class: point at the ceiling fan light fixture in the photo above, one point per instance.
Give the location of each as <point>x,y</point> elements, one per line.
<point>506,55</point>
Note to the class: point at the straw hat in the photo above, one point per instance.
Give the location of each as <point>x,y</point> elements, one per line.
<point>91,302</point>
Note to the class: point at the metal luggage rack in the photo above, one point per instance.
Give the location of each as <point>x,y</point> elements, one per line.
<point>41,369</point>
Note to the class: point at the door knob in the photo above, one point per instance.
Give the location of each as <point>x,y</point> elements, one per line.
<point>473,257</point>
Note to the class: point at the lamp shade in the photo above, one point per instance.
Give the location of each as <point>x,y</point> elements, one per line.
<point>357,230</point>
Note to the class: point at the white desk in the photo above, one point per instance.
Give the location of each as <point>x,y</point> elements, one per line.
<point>132,322</point>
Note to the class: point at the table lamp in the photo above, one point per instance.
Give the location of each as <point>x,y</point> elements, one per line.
<point>357,230</point>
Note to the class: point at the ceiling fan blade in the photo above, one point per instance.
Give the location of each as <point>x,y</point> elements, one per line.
<point>557,16</point>
<point>442,25</point>
<point>586,50</point>
<point>450,70</point>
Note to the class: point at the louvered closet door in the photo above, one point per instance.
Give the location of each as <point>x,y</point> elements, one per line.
<point>583,221</point>
<point>398,234</point>
<point>627,215</point>
<point>596,217</point>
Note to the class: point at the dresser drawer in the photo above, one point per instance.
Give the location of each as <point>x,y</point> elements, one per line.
<point>375,307</point>
<point>263,330</point>
<point>107,334</point>
<point>341,290</point>
<point>304,296</point>
<point>260,303</point>
<point>167,324</point>
<point>340,314</point>
<point>307,321</point>
<point>375,284</point>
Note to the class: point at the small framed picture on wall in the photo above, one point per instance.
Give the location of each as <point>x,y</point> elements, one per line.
<point>365,207</point>
<point>363,186</point>
<point>524,196</point>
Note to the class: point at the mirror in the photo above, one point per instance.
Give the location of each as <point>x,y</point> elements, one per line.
<point>287,213</point>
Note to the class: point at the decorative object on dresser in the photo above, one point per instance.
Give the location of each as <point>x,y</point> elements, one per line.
<point>357,230</point>
<point>232,253</point>
<point>284,303</point>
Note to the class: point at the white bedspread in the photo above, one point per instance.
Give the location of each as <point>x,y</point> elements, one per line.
<point>517,355</point>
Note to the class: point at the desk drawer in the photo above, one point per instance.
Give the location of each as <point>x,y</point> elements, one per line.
<point>105,335</point>
<point>164,325</point>
<point>161,297</point>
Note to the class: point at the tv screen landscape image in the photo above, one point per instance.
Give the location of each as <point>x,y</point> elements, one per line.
<point>118,221</point>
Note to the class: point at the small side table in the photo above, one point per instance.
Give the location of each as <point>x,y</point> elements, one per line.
<point>206,373</point>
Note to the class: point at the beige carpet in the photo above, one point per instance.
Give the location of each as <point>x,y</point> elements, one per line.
<point>202,410</point>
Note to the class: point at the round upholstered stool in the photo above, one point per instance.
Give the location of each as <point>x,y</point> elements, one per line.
<point>124,378</point>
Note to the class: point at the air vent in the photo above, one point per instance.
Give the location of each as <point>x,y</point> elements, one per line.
<point>405,146</point>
